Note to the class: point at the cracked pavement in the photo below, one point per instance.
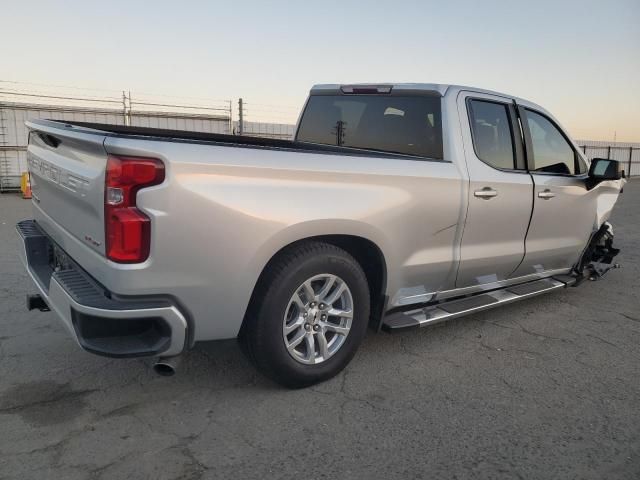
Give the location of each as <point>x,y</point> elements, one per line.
<point>544,388</point>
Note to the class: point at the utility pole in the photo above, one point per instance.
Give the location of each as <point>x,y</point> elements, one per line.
<point>130,107</point>
<point>240,117</point>
<point>124,107</point>
<point>339,132</point>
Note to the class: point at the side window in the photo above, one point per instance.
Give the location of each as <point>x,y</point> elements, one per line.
<point>491,133</point>
<point>551,151</point>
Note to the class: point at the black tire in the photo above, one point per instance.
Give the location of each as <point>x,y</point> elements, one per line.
<point>261,335</point>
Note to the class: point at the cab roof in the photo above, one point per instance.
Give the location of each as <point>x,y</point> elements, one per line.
<point>439,89</point>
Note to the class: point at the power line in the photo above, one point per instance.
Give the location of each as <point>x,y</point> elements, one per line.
<point>39,95</point>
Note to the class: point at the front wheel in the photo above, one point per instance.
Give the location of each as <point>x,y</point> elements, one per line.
<point>309,315</point>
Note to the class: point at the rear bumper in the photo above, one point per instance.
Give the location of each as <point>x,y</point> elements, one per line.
<point>101,322</point>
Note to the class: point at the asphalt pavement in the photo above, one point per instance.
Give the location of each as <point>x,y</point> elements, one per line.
<point>546,388</point>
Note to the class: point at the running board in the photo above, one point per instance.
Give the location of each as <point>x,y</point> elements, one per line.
<point>476,303</point>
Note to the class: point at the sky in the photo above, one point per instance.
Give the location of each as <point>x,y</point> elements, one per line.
<point>578,59</point>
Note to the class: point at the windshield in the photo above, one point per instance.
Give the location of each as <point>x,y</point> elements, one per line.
<point>409,125</point>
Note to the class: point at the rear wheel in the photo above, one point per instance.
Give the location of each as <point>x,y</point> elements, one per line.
<point>309,315</point>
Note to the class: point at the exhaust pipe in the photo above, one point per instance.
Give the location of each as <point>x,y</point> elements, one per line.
<point>166,366</point>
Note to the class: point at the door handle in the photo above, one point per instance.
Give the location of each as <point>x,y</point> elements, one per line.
<point>486,193</point>
<point>546,194</point>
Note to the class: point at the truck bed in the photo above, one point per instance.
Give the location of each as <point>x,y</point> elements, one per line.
<point>225,140</point>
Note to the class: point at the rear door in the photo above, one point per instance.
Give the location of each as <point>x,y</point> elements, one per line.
<point>564,212</point>
<point>500,193</point>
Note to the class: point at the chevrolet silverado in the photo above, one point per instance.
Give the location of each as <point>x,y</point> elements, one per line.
<point>396,206</point>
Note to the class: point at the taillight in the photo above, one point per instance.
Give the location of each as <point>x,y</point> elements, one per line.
<point>127,229</point>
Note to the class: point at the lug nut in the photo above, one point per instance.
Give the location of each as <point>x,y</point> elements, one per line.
<point>307,327</point>
<point>316,328</point>
<point>305,314</point>
<point>324,317</point>
<point>312,304</point>
<point>322,306</point>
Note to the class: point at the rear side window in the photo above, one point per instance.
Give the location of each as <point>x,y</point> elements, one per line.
<point>491,132</point>
<point>551,151</point>
<point>409,125</point>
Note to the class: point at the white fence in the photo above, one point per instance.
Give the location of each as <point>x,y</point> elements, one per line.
<point>144,112</point>
<point>21,102</point>
<point>284,131</point>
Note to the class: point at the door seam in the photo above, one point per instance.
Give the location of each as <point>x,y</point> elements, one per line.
<point>527,155</point>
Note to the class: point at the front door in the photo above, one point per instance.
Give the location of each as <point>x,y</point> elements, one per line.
<point>500,190</point>
<point>564,211</point>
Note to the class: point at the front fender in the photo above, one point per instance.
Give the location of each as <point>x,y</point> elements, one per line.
<point>607,196</point>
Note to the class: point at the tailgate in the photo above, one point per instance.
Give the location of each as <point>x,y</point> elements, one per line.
<point>67,166</point>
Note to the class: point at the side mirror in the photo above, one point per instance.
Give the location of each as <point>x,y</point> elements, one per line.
<point>605,169</point>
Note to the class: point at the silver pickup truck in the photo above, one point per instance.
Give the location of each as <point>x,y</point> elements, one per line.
<point>396,206</point>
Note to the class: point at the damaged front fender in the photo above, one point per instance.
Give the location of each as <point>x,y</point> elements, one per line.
<point>597,258</point>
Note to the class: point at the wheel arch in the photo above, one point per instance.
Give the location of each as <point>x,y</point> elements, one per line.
<point>365,251</point>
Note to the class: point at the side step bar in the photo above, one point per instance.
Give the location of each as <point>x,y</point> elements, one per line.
<point>476,303</point>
